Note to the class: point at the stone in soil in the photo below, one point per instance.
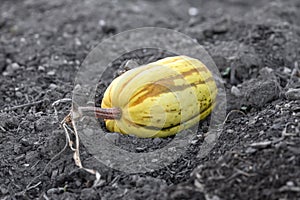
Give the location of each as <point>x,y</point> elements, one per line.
<point>259,91</point>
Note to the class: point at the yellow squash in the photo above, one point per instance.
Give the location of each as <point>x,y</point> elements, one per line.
<point>161,98</point>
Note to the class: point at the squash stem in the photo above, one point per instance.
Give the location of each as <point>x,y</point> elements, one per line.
<point>103,113</point>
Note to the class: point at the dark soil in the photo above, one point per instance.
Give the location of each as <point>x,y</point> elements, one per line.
<point>255,45</point>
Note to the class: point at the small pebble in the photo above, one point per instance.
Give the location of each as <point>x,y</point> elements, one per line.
<point>19,94</point>
<point>193,11</point>
<point>290,183</point>
<point>77,88</point>
<point>15,66</point>
<point>236,91</point>
<point>293,94</point>
<point>221,27</point>
<point>51,73</point>
<point>8,61</point>
<point>24,142</point>
<point>229,131</point>
<point>41,68</point>
<point>52,86</point>
<point>101,22</point>
<point>3,189</point>
<point>140,149</point>
<point>250,150</point>
<point>157,141</point>
<point>78,42</point>
<point>266,71</point>
<point>287,70</point>
<point>194,142</point>
<point>78,183</point>
<point>5,73</point>
<point>23,40</point>
<point>54,174</point>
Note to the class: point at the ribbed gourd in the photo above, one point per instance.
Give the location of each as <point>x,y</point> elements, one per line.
<point>159,99</point>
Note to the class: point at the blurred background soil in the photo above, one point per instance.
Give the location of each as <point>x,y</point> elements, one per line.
<point>255,45</point>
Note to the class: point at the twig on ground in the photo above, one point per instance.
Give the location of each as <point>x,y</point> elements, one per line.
<point>244,173</point>
<point>76,156</point>
<point>263,144</point>
<point>45,196</point>
<point>34,186</point>
<point>3,129</point>
<point>24,105</point>
<point>64,100</point>
<point>55,103</point>
<point>67,120</point>
<point>231,112</point>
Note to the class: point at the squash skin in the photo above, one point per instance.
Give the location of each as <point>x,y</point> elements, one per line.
<point>161,98</point>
